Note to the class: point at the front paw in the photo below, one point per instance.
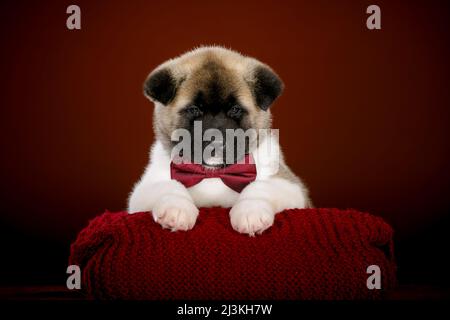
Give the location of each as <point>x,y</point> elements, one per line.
<point>252,216</point>
<point>175,213</point>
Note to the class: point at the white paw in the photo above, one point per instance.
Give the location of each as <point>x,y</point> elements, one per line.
<point>175,213</point>
<point>251,216</point>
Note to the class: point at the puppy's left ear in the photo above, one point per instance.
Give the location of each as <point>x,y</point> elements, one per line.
<point>266,86</point>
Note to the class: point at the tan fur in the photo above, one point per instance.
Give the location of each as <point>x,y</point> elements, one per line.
<point>193,70</point>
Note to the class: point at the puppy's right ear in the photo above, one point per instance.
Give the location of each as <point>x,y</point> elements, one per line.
<point>161,86</point>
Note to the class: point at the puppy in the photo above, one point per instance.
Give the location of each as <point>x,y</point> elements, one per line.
<point>219,90</point>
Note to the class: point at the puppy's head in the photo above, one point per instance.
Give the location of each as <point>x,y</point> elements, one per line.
<point>215,88</point>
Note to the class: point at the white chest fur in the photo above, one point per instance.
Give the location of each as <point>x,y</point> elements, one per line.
<point>210,192</point>
<point>213,192</point>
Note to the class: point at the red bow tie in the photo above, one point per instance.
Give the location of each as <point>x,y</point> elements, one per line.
<point>235,176</point>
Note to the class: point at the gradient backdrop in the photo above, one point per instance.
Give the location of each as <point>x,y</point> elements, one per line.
<point>363,120</point>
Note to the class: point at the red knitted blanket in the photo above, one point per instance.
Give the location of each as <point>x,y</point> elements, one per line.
<point>307,254</point>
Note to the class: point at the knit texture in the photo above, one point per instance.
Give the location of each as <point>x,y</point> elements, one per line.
<point>306,254</point>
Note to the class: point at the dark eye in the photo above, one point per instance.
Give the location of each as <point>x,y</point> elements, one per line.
<point>235,112</point>
<point>194,111</point>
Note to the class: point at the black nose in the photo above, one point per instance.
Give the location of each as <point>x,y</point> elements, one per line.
<point>218,121</point>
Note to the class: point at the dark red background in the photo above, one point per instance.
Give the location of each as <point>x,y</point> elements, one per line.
<point>363,120</point>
